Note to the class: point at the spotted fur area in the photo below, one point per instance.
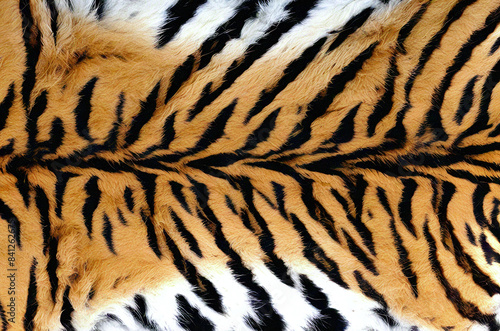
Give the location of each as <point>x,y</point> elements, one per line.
<point>249,165</point>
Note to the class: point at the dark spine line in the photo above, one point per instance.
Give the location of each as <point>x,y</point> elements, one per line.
<point>201,286</point>
<point>323,99</point>
<point>5,106</point>
<point>405,205</point>
<point>177,16</point>
<point>148,183</point>
<point>316,255</point>
<point>83,109</point>
<point>151,233</point>
<point>260,299</point>
<point>465,308</point>
<point>190,318</point>
<point>186,235</point>
<point>13,222</point>
<point>31,37</point>
<point>66,311</point>
<point>42,203</point>
<point>290,73</point>
<point>91,202</point>
<point>297,11</point>
<point>31,301</point>
<point>107,233</point>
<point>147,110</point>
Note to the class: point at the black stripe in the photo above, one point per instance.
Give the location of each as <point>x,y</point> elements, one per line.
<point>486,93</point>
<point>297,11</point>
<point>13,222</point>
<point>181,74</point>
<point>190,317</point>
<point>404,262</point>
<point>62,181</point>
<point>91,202</point>
<point>316,255</point>
<point>66,311</point>
<point>32,45</point>
<point>215,129</point>
<point>3,317</point>
<point>359,254</point>
<point>107,233</point>
<point>151,233</point>
<point>229,30</point>
<point>495,46</point>
<point>345,130</point>
<point>147,110</point>
<point>465,308</point>
<point>121,217</point>
<point>129,199</point>
<point>368,290</point>
<point>292,70</point>
<point>168,131</point>
<point>148,182</point>
<point>38,109</point>
<point>490,254</point>
<point>112,139</point>
<point>83,109</point>
<point>31,301</point>
<point>323,99</point>
<point>52,266</point>
<point>406,30</point>
<point>470,235</point>
<point>204,100</point>
<point>186,235</point>
<point>384,105</point>
<point>478,203</point>
<point>382,198</point>
<point>140,313</point>
<point>279,193</point>
<point>42,203</point>
<point>466,100</point>
<point>405,205</point>
<point>57,134</point>
<point>6,105</point>
<point>53,18</point>
<point>179,195</point>
<point>178,15</point>
<point>495,226</point>
<point>230,205</point>
<point>262,132</point>
<point>98,6</point>
<point>350,27</point>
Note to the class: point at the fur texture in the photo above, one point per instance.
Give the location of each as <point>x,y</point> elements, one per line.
<point>249,165</point>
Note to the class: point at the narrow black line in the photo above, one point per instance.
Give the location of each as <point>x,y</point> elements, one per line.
<point>98,6</point>
<point>345,131</point>
<point>146,112</point>
<point>53,18</point>
<point>13,222</point>
<point>404,262</point>
<point>177,16</point>
<point>478,203</point>
<point>148,182</point>
<point>66,311</point>
<point>31,301</point>
<point>368,290</point>
<point>140,313</point>
<point>350,27</point>
<point>405,205</point>
<point>42,203</point>
<point>52,266</point>
<point>151,233</point>
<point>107,233</point>
<point>83,109</point>
<point>36,111</point>
<point>31,37</point>
<point>406,30</point>
<point>5,106</point>
<point>129,199</point>
<point>179,195</point>
<point>181,74</point>
<point>190,318</point>
<point>3,317</point>
<point>359,254</point>
<point>466,100</point>
<point>62,181</point>
<point>263,132</point>
<point>112,139</point>
<point>186,235</point>
<point>91,202</point>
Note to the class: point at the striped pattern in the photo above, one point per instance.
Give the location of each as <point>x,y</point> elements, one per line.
<point>245,165</point>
